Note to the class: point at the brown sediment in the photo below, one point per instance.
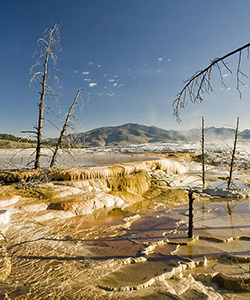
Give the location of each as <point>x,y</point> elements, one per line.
<point>237,284</point>
<point>36,190</point>
<point>5,263</point>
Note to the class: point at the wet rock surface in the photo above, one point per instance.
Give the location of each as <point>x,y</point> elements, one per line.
<point>120,254</point>
<point>123,237</point>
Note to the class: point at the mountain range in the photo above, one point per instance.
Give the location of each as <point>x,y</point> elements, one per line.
<point>130,133</point>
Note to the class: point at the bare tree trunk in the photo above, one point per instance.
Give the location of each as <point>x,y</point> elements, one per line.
<point>191,215</point>
<point>60,140</point>
<point>233,154</point>
<point>46,54</point>
<point>203,153</point>
<point>41,108</point>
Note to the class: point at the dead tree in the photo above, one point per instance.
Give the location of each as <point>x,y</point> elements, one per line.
<point>191,215</point>
<point>67,124</point>
<point>203,153</point>
<point>233,155</point>
<point>46,55</point>
<point>201,81</point>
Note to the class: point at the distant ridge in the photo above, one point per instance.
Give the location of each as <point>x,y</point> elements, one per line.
<point>133,133</point>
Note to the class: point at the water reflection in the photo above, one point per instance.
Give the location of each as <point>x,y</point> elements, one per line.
<point>203,213</point>
<point>222,184</point>
<point>230,207</point>
<point>190,246</point>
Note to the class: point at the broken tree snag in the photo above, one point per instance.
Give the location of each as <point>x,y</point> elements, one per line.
<point>191,215</point>
<point>67,124</point>
<point>233,154</point>
<point>203,153</point>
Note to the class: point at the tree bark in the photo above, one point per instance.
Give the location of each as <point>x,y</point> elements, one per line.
<point>203,153</point>
<point>41,108</point>
<point>233,155</point>
<point>191,215</point>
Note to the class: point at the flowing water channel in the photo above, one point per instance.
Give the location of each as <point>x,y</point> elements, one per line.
<point>141,252</point>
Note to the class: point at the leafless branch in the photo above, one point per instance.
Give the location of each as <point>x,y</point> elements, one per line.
<point>52,110</point>
<point>52,123</point>
<point>64,129</point>
<point>29,131</point>
<point>200,82</point>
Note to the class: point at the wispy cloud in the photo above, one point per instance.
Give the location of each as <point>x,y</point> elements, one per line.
<point>85,73</point>
<point>111,94</point>
<point>92,84</point>
<point>72,73</point>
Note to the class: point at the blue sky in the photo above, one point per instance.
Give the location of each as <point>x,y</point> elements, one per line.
<point>130,56</point>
